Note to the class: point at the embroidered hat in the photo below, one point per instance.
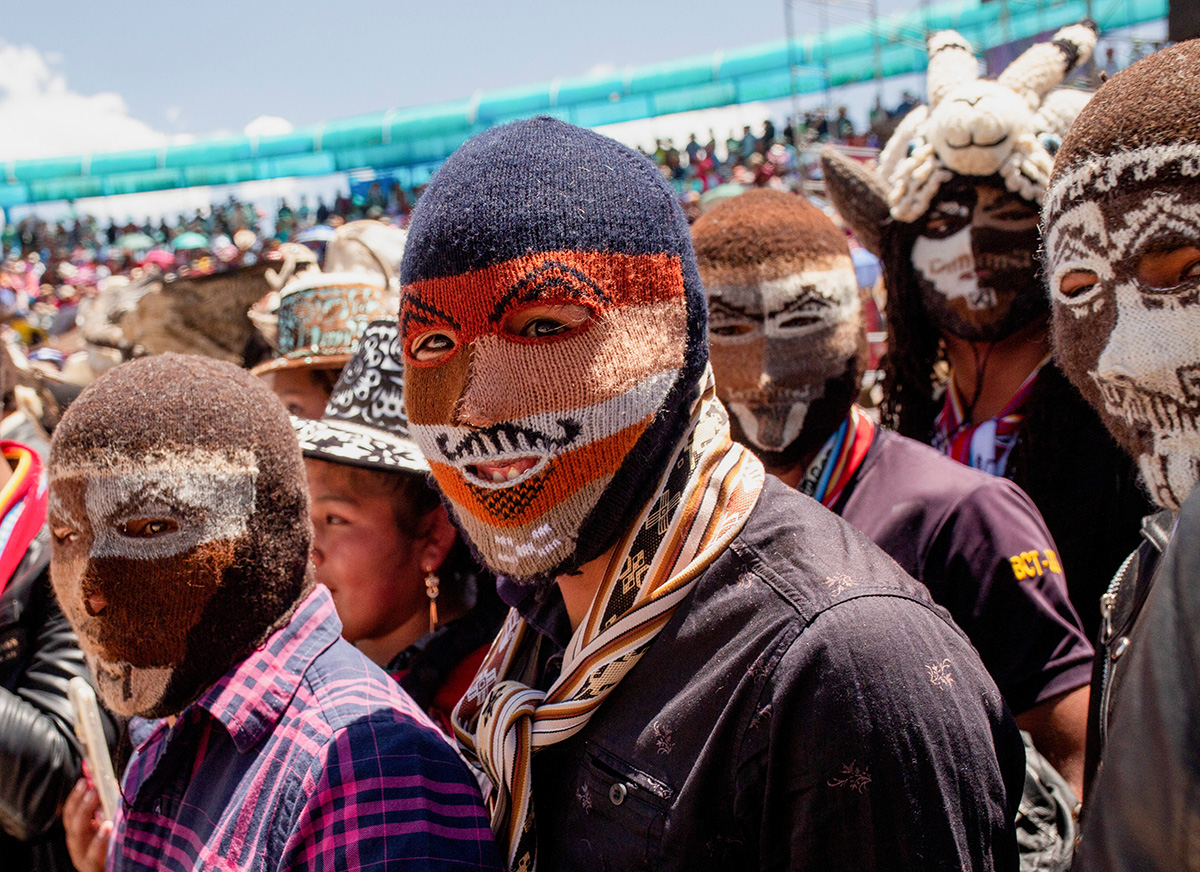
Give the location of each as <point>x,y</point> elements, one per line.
<point>364,423</point>
<point>181,528</point>
<point>785,322</point>
<point>1122,252</point>
<point>554,335</point>
<point>321,317</point>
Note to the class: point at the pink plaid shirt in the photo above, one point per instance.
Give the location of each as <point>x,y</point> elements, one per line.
<point>304,756</point>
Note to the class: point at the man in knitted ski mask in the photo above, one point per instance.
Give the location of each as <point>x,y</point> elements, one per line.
<point>1122,220</point>
<point>179,510</point>
<point>784,321</point>
<point>545,450</point>
<point>177,542</point>
<point>554,334</point>
<point>785,329</point>
<point>952,212</point>
<point>1123,264</point>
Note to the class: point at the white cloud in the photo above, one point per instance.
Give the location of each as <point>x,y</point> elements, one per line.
<point>601,69</point>
<point>268,125</point>
<point>40,116</point>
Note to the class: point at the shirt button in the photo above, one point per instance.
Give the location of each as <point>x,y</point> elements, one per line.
<point>1119,647</point>
<point>617,793</point>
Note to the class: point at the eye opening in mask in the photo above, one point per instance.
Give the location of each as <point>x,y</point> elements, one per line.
<point>148,528</point>
<point>731,327</point>
<point>546,320</point>
<point>1164,268</point>
<point>64,535</point>
<point>1077,282</point>
<point>432,346</point>
<point>940,223</point>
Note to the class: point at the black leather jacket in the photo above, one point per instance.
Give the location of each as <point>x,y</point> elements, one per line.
<point>1119,609</point>
<point>39,754</point>
<point>1143,806</point>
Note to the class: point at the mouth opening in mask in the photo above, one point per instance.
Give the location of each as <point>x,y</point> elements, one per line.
<point>504,472</point>
<point>1147,411</point>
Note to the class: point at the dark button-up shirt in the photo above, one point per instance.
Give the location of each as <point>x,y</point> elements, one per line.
<point>807,706</point>
<point>304,756</point>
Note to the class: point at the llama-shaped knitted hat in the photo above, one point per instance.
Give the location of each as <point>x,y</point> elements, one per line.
<point>1009,127</point>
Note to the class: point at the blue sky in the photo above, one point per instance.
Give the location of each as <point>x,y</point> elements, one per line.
<point>187,67</point>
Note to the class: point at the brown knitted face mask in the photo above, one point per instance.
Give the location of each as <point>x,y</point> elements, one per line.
<point>975,262</point>
<point>775,346</point>
<point>1122,219</point>
<point>141,547</point>
<point>1125,279</point>
<point>180,527</point>
<point>785,329</point>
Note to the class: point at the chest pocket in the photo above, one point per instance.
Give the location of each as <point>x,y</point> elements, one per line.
<point>625,809</point>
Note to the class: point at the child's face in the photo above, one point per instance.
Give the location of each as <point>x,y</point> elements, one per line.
<point>371,567</point>
<point>302,392</point>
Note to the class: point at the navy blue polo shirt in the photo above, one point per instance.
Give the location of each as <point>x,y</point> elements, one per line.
<point>981,547</point>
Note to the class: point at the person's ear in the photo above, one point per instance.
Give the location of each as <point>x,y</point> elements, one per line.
<point>437,537</point>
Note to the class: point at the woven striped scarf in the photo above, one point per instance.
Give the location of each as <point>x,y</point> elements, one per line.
<point>988,444</point>
<point>702,501</point>
<point>839,458</point>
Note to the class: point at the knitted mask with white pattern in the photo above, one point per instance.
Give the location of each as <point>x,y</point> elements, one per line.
<point>967,173</point>
<point>554,337</point>
<point>785,329</point>
<point>179,514</point>
<point>1122,220</point>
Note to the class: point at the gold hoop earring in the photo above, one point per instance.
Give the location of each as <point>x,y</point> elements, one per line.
<point>431,591</point>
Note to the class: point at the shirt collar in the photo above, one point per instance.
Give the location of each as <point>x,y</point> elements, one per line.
<point>250,698</point>
<point>541,605</point>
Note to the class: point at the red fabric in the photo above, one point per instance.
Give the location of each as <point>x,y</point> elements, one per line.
<point>455,686</point>
<point>25,493</point>
<point>452,688</point>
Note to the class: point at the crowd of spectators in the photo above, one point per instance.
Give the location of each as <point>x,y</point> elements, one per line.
<point>783,158</point>
<point>48,264</point>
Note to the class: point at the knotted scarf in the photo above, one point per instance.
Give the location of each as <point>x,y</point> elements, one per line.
<point>701,502</point>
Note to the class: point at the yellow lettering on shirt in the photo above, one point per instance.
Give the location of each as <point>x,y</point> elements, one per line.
<point>1031,564</point>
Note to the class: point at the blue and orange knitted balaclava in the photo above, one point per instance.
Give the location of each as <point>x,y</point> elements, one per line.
<point>180,526</point>
<point>554,333</point>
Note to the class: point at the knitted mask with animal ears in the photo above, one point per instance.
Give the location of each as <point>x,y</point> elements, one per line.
<point>1122,220</point>
<point>966,174</point>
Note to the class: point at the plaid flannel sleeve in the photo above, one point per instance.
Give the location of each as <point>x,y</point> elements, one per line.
<point>390,795</point>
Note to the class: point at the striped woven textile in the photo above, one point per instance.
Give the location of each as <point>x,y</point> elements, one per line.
<point>703,499</point>
<point>988,444</point>
<point>839,458</point>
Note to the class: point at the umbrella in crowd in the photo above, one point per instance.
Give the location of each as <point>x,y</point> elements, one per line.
<point>190,240</point>
<point>160,257</point>
<point>135,242</point>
